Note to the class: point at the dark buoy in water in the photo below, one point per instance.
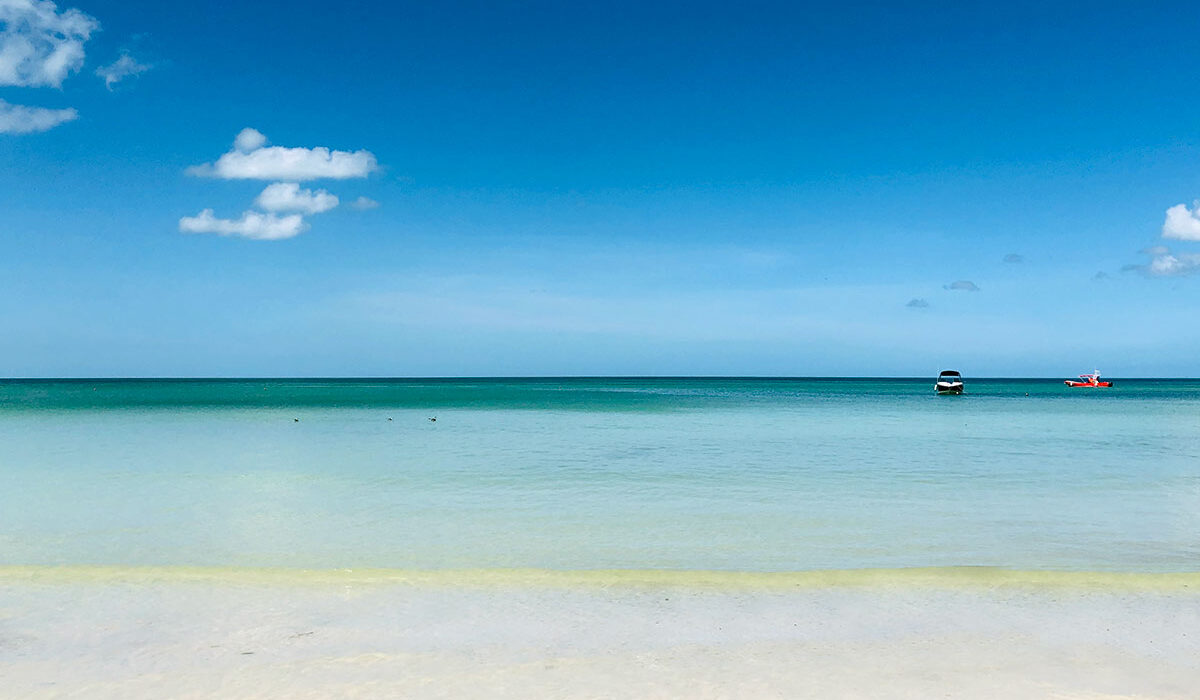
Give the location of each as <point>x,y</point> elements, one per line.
<point>295,420</point>
<point>389,420</point>
<point>433,419</point>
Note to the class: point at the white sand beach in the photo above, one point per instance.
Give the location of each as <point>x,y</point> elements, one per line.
<point>112,633</point>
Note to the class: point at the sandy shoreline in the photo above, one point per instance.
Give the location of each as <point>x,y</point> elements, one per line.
<point>92,632</point>
<point>961,577</point>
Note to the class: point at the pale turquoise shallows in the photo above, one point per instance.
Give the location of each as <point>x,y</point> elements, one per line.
<point>735,474</point>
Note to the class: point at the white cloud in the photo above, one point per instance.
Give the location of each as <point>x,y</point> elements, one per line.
<point>124,67</point>
<point>1183,224</point>
<point>962,286</point>
<point>249,139</point>
<point>256,225</point>
<point>17,119</point>
<point>40,46</point>
<point>1164,263</point>
<point>287,196</point>
<point>252,160</point>
<point>364,203</point>
<point>1169,265</point>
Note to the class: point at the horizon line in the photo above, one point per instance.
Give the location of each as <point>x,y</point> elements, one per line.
<point>547,377</point>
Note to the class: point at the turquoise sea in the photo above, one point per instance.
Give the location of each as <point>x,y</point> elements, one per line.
<point>675,473</point>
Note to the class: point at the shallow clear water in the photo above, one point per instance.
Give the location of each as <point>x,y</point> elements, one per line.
<point>741,474</point>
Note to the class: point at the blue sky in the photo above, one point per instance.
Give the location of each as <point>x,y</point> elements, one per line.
<point>641,188</point>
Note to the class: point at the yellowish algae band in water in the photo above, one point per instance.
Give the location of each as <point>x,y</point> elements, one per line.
<point>970,577</point>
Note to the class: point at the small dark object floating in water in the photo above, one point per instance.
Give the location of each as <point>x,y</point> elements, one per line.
<point>433,420</point>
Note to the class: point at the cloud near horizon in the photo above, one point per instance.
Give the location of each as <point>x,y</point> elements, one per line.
<point>252,159</point>
<point>1181,224</point>
<point>253,224</point>
<point>1164,263</point>
<point>917,303</point>
<point>962,286</point>
<point>18,119</point>
<point>1014,258</point>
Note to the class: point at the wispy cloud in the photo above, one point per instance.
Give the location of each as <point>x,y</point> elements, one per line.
<point>916,303</point>
<point>125,66</point>
<point>962,286</point>
<point>1100,276</point>
<point>1014,258</point>
<point>255,225</point>
<point>287,196</point>
<point>468,301</point>
<point>1164,263</point>
<point>252,159</point>
<point>17,119</point>
<point>40,46</point>
<point>364,203</point>
<point>1182,223</point>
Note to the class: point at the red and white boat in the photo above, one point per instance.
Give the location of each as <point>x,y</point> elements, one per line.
<point>1088,380</point>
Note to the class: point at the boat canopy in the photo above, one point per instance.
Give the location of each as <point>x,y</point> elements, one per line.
<point>949,373</point>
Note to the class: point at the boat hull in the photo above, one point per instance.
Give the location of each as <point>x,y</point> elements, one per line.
<point>1088,385</point>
